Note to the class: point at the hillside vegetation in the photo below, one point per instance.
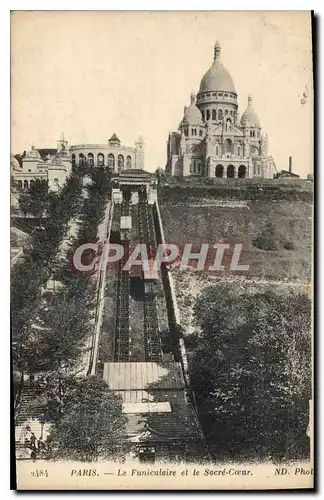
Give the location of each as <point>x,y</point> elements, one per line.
<point>275,234</point>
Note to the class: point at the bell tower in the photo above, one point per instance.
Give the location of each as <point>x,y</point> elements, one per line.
<point>139,153</point>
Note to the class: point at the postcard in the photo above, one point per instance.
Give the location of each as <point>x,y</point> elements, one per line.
<point>161,249</point>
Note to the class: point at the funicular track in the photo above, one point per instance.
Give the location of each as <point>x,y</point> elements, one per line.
<point>153,349</point>
<point>122,338</point>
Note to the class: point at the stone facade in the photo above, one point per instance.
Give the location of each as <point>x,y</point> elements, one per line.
<point>55,165</point>
<point>211,140</point>
<point>113,154</point>
<point>54,168</point>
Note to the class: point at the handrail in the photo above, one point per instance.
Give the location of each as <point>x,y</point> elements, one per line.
<point>100,295</point>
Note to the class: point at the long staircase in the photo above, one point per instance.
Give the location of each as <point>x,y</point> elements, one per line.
<point>28,420</point>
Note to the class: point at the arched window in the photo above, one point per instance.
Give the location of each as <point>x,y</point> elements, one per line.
<point>100,160</point>
<point>217,149</point>
<point>90,159</point>
<point>220,114</point>
<point>25,184</point>
<point>242,171</point>
<point>228,145</point>
<point>19,185</point>
<point>111,161</point>
<point>32,184</point>
<point>203,114</point>
<point>73,159</point>
<point>128,162</point>
<point>193,131</point>
<point>195,167</point>
<point>226,111</point>
<point>219,171</point>
<point>185,131</point>
<point>214,114</point>
<point>120,161</point>
<point>207,114</point>
<point>200,132</point>
<point>81,159</point>
<point>230,171</point>
<point>56,180</point>
<point>251,133</point>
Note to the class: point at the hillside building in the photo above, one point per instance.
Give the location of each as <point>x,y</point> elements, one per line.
<point>114,154</point>
<point>211,140</point>
<point>55,165</point>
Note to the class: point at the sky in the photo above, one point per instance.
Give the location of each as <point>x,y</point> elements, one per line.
<point>90,74</point>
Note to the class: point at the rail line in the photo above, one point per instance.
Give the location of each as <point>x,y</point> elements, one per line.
<point>122,337</point>
<point>153,348</point>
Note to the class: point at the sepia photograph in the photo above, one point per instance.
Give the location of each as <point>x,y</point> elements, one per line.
<point>161,249</point>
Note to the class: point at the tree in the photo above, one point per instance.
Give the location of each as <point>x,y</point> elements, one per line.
<point>28,277</point>
<point>59,334</point>
<point>35,200</point>
<point>91,424</point>
<point>252,371</point>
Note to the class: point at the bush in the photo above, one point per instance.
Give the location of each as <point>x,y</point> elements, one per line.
<point>268,240</point>
<point>251,372</point>
<point>289,245</point>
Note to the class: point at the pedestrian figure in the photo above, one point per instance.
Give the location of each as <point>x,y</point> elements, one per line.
<point>33,441</point>
<point>40,445</point>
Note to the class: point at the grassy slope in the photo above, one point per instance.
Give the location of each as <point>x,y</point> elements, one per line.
<point>184,221</point>
<point>197,224</point>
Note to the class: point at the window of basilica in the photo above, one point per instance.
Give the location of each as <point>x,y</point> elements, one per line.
<point>195,167</point>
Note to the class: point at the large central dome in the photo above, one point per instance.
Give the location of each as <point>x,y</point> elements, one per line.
<point>217,77</point>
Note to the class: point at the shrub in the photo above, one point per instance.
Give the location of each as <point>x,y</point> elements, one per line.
<point>289,245</point>
<point>268,240</point>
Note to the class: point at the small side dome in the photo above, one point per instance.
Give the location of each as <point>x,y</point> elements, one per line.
<point>57,161</point>
<point>192,114</point>
<point>33,153</point>
<point>250,117</point>
<point>14,163</point>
